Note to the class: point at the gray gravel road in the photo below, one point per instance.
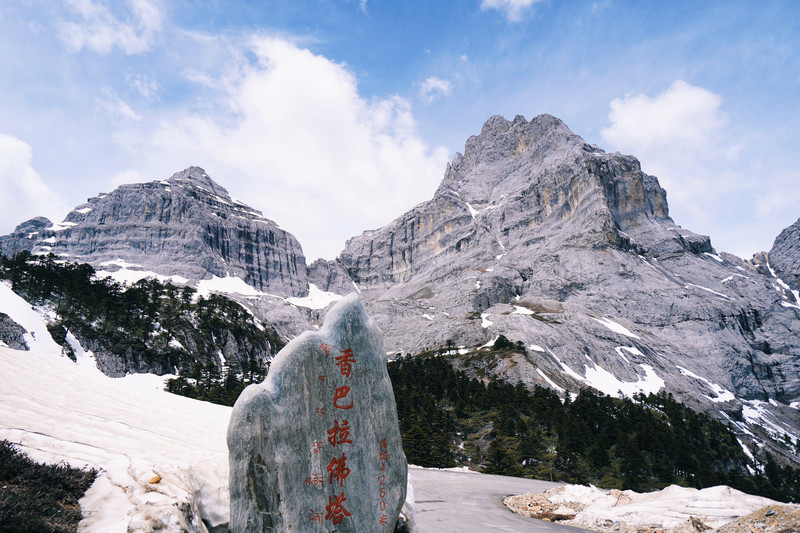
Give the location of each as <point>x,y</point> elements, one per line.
<point>462,502</point>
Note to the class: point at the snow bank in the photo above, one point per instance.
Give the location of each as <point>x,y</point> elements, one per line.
<point>129,429</point>
<point>671,509</point>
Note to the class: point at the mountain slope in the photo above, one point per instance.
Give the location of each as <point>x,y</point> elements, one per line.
<point>540,237</point>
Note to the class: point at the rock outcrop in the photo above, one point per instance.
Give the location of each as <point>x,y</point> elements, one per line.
<point>12,334</point>
<point>25,236</point>
<point>784,257</point>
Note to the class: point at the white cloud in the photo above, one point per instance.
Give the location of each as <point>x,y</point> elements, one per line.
<point>682,114</point>
<point>512,9</point>
<point>100,30</point>
<point>433,88</point>
<point>293,137</point>
<point>24,191</point>
<point>714,186</point>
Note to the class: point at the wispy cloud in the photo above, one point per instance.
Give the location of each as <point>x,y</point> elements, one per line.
<point>512,9</point>
<point>145,86</point>
<point>100,30</point>
<point>433,88</point>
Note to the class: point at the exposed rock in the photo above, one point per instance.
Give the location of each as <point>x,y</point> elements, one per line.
<point>24,236</point>
<point>12,334</point>
<point>317,447</point>
<point>186,226</point>
<point>330,276</point>
<point>784,257</point>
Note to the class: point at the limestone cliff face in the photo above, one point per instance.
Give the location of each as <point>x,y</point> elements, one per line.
<point>185,226</point>
<point>784,257</point>
<point>541,237</point>
<point>518,181</point>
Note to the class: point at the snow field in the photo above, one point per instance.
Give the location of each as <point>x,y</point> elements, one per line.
<point>129,429</point>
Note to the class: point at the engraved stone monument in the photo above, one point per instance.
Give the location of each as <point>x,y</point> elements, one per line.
<point>316,446</point>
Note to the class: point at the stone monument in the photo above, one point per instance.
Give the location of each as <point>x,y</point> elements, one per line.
<point>316,446</point>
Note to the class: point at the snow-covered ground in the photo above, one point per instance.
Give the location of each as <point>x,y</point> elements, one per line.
<point>129,429</point>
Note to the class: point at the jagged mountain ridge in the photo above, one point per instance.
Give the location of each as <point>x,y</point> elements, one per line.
<point>187,226</point>
<point>533,234</point>
<point>536,235</point>
<point>532,214</point>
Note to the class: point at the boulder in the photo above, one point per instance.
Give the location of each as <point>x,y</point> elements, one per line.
<point>316,446</point>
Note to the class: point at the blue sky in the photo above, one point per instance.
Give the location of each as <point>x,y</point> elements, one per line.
<point>336,116</point>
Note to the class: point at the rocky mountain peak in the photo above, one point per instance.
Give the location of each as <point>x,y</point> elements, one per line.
<point>197,176</point>
<point>501,138</point>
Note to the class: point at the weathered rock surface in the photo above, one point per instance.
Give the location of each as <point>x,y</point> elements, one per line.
<point>317,447</point>
<point>532,214</point>
<point>186,226</point>
<point>24,236</point>
<point>12,334</point>
<point>784,257</point>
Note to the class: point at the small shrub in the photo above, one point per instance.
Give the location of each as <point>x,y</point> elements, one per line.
<point>37,498</point>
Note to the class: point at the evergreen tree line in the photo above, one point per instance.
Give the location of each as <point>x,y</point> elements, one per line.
<point>156,325</point>
<point>208,383</point>
<point>644,444</point>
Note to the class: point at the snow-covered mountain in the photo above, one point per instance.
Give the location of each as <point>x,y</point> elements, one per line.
<point>533,234</point>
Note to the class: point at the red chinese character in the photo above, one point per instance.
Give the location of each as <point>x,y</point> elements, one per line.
<point>384,444</point>
<point>339,434</point>
<point>336,509</point>
<point>314,517</point>
<point>340,393</point>
<point>338,470</point>
<point>383,456</point>
<point>315,480</point>
<point>322,379</point>
<point>343,361</point>
<point>383,521</point>
<point>326,349</point>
